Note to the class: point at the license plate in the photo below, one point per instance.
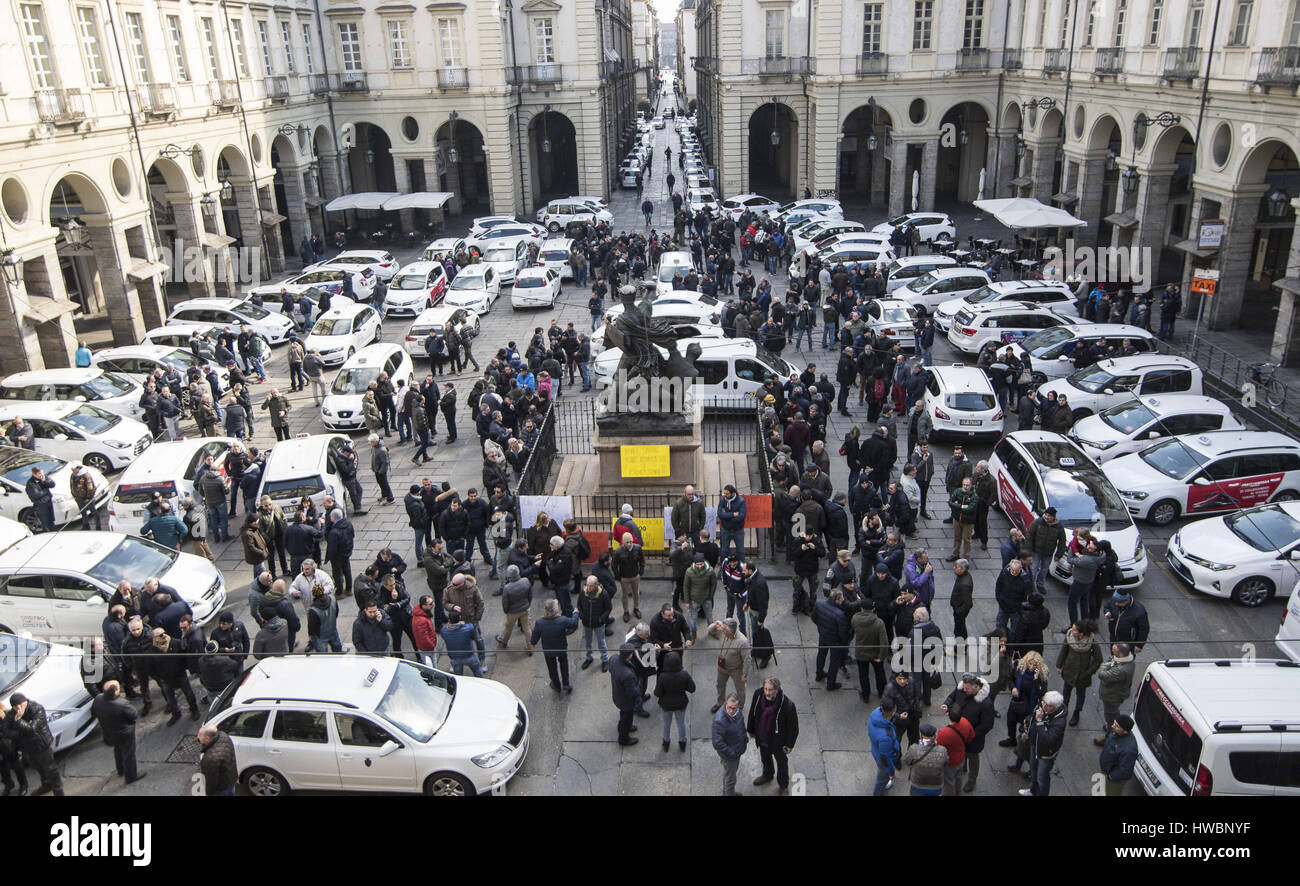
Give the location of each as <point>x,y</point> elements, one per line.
<point>971,421</point>
<point>1150,774</point>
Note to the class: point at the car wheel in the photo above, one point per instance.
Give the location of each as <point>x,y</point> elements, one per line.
<point>379,333</point>
<point>554,227</point>
<point>262,782</point>
<point>1163,513</point>
<point>1286,495</point>
<point>98,462</point>
<point>28,517</point>
<point>448,784</point>
<point>1252,592</point>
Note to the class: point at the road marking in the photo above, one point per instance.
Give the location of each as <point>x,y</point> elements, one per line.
<point>1177,582</point>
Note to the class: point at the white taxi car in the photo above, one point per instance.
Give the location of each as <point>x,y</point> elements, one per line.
<point>323,276</point>
<point>140,361</point>
<point>107,390</point>
<point>303,466</point>
<point>934,287</point>
<point>81,432</point>
<point>701,198</point>
<point>507,258</point>
<point>236,314</point>
<point>417,286</point>
<point>1217,471</point>
<point>1110,382</point>
<point>756,203</point>
<point>341,408</point>
<point>535,288</point>
<point>1052,350</point>
<point>961,403</point>
<point>50,674</point>
<point>555,255</point>
<point>436,319</point>
<point>559,214</point>
<point>168,469</point>
<point>369,723</point>
<point>16,466</point>
<point>998,324</point>
<point>1048,293</point>
<point>484,223</point>
<point>59,584</point>
<point>932,225</point>
<point>342,331</point>
<point>380,262</point>
<point>893,318</point>
<point>444,248</point>
<point>1247,556</point>
<point>506,232</point>
<point>1138,422</point>
<point>475,288</point>
<point>1036,470</point>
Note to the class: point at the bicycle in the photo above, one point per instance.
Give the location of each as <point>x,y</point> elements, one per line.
<point>1263,377</point>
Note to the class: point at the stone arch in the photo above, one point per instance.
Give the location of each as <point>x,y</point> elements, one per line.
<point>464,172</point>
<point>773,167</point>
<point>863,165</point>
<point>79,193</point>
<point>1101,134</point>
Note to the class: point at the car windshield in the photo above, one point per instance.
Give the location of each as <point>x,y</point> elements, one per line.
<point>131,559</point>
<point>1041,342</point>
<point>282,489</point>
<point>1093,379</point>
<point>897,315</point>
<point>415,280</point>
<point>1173,458</point>
<point>1267,528</point>
<point>179,359</point>
<point>418,700</point>
<point>529,283</point>
<point>782,368</point>
<point>1128,417</point>
<point>353,381</point>
<point>250,310</point>
<point>921,282</point>
<point>555,255</point>
<point>332,326</point>
<point>467,281</point>
<point>105,387</point>
<point>500,254</point>
<point>983,294</point>
<point>505,232</point>
<point>91,419</point>
<point>1077,488</point>
<point>666,272</point>
<point>16,465</point>
<point>19,656</point>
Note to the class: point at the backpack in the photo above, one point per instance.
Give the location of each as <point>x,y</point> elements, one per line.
<point>878,389</point>
<point>583,548</point>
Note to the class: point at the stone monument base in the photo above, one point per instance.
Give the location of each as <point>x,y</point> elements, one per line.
<point>686,461</point>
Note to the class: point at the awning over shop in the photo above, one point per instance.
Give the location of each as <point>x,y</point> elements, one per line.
<point>1027,212</point>
<point>1191,248</point>
<point>1123,220</point>
<point>420,200</point>
<point>271,219</point>
<point>1288,284</point>
<point>43,310</point>
<point>1022,181</point>
<point>365,200</point>
<point>142,269</point>
<point>215,241</point>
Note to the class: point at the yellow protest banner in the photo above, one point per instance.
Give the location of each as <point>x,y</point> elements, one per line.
<point>645,461</point>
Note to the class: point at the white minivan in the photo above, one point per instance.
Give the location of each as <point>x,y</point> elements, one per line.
<point>82,432</point>
<point>1288,633</point>
<point>731,370</point>
<point>1219,727</point>
<point>303,466</point>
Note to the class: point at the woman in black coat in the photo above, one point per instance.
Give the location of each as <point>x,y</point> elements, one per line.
<point>672,688</point>
<point>1034,618</point>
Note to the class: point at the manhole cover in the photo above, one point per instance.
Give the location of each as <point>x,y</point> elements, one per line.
<point>186,751</point>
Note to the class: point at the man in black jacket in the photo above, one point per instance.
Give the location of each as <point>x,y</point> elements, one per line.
<point>807,572</point>
<point>669,630</point>
<point>626,691</point>
<point>338,551</point>
<point>758,597</point>
<point>26,722</point>
<point>971,700</point>
<point>775,732</point>
<point>117,719</point>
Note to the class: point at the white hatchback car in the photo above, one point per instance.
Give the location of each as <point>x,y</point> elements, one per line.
<point>998,323</point>
<point>82,432</point>
<point>931,224</point>
<point>168,469</point>
<point>107,390</point>
<point>555,255</point>
<point>961,403</point>
<point>236,314</point>
<point>52,675</point>
<point>535,288</point>
<point>378,261</point>
<point>417,286</point>
<point>1047,293</point>
<point>303,466</point>
<point>507,258</point>
<point>341,408</point>
<point>140,361</point>
<point>1247,556</point>
<point>16,466</point>
<point>933,288</point>
<point>444,248</point>
<point>322,276</point>
<point>755,203</point>
<point>341,332</point>
<point>559,214</point>
<point>476,288</point>
<point>368,723</point>
<point>893,318</point>
<point>701,198</point>
<point>484,223</point>
<point>1136,423</point>
<point>1111,382</point>
<point>436,320</point>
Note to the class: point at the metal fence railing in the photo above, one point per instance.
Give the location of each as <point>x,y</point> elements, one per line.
<point>1276,405</point>
<point>537,470</point>
<point>728,426</point>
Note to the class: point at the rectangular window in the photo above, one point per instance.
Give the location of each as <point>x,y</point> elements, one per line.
<point>399,44</point>
<point>1294,38</point>
<point>1091,25</point>
<point>774,30</point>
<point>38,49</point>
<point>210,48</point>
<point>350,47</point>
<point>872,20</point>
<point>544,41</point>
<point>1194,17</point>
<point>1241,23</point>
<point>287,37</point>
<point>922,24</point>
<point>1121,18</point>
<point>135,38</point>
<point>1157,16</point>
<point>449,42</point>
<point>973,31</point>
<point>88,30</point>
<point>264,37</point>
<point>1042,23</point>
<point>178,47</point>
<point>241,56</point>
<point>1065,24</point>
<point>306,49</point>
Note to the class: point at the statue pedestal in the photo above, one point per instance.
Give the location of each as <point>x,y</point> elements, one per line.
<point>686,460</point>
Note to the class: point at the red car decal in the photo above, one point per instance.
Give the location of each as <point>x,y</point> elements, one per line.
<point>1228,495</point>
<point>1012,504</point>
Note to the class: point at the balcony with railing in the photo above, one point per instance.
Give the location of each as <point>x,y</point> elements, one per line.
<point>225,93</point>
<point>611,69</point>
<point>1108,61</point>
<point>1180,63</point>
<point>277,89</point>
<point>156,99</point>
<point>523,75</point>
<point>318,83</point>
<point>1279,66</point>
<point>453,77</point>
<point>972,58</point>
<point>788,65</point>
<point>351,81</point>
<point>873,63</point>
<point>1054,60</point>
<point>61,105</point>
<point>706,63</point>
<point>1013,59</point>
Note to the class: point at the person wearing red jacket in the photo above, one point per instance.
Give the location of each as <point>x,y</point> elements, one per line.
<point>954,737</point>
<point>425,631</point>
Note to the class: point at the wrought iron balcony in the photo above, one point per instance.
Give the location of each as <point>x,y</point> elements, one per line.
<point>451,77</point>
<point>225,93</point>
<point>1181,63</point>
<point>972,59</point>
<point>61,105</point>
<point>1013,59</point>
<point>156,99</point>
<point>520,75</point>
<point>1054,59</point>
<point>706,63</point>
<point>320,84</point>
<point>1108,60</point>
<point>1279,66</point>
<point>352,81</point>
<point>277,88</point>
<point>873,63</point>
<point>792,64</point>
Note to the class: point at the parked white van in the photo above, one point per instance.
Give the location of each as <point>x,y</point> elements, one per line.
<point>1219,727</point>
<point>81,432</point>
<point>1288,633</point>
<point>731,369</point>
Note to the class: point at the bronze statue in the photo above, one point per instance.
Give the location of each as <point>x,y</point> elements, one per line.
<point>636,333</point>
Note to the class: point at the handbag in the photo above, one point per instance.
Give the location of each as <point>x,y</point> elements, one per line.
<point>1025,377</point>
<point>935,680</point>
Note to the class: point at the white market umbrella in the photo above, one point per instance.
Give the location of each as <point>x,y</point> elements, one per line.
<point>980,196</point>
<point>916,187</point>
<point>419,200</point>
<point>364,200</point>
<point>1026,212</point>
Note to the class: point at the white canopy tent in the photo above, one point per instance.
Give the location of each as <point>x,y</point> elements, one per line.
<point>365,200</point>
<point>1027,212</point>
<point>419,200</point>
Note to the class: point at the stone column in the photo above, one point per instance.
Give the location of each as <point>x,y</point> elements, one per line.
<point>1044,164</point>
<point>824,143</point>
<point>1286,334</point>
<point>1004,159</point>
<point>48,345</point>
<point>224,274</point>
<point>1241,212</point>
<point>899,179</point>
<point>402,178</point>
<point>196,275</point>
<point>929,174</point>
<point>879,163</point>
<point>1092,171</point>
<point>20,349</point>
<point>125,317</point>
<point>295,206</point>
<point>1150,206</point>
<point>330,166</point>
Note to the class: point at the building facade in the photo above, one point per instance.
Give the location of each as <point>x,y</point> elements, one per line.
<point>685,34</point>
<point>1055,99</point>
<point>645,49</point>
<point>209,135</point>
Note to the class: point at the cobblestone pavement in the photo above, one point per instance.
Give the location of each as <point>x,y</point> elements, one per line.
<point>573,748</point>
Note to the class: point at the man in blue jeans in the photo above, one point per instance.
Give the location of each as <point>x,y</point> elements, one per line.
<point>458,638</point>
<point>884,746</point>
<point>1046,735</point>
<point>731,521</point>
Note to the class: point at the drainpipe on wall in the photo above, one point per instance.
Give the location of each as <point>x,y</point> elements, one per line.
<point>519,104</point>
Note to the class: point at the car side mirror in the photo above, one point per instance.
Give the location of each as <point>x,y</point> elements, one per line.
<point>1152,435</point>
<point>1063,358</point>
<point>1294,555</point>
<point>1108,391</point>
<point>1201,481</point>
<point>95,601</point>
<point>60,437</point>
<point>388,747</point>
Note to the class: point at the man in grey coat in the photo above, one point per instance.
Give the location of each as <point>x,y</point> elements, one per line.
<point>379,463</point>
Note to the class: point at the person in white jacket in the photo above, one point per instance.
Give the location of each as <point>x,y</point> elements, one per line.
<point>911,488</point>
<point>310,583</point>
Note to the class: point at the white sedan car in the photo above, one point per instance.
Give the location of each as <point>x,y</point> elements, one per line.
<point>51,675</point>
<point>1246,556</point>
<point>535,288</point>
<point>485,223</point>
<point>341,332</point>
<point>518,229</point>
<point>961,403</point>
<point>755,203</point>
<point>236,314</point>
<point>16,466</point>
<point>317,277</point>
<point>894,318</point>
<point>369,723</point>
<point>417,286</point>
<point>476,287</point>
<point>701,198</point>
<point>82,432</point>
<point>930,224</point>
<point>380,263</point>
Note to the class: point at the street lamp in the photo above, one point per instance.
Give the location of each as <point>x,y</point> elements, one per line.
<point>227,189</point>
<point>370,156</point>
<point>775,136</point>
<point>546,142</point>
<point>291,129</point>
<point>1129,180</point>
<point>1279,201</point>
<point>171,152</point>
<point>453,156</point>
<point>1020,143</point>
<point>13,269</point>
<point>1046,103</point>
<point>1112,160</point>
